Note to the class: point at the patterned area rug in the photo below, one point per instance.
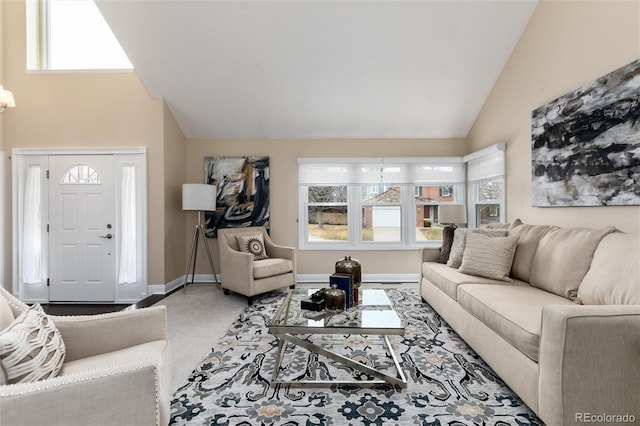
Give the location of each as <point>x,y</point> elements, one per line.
<point>448,383</point>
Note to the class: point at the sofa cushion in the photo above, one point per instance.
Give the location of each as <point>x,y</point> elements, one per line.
<point>271,267</point>
<point>447,279</point>
<point>459,240</point>
<point>563,258</point>
<point>528,239</point>
<point>512,311</point>
<point>31,348</point>
<point>253,244</point>
<point>614,275</point>
<point>488,257</point>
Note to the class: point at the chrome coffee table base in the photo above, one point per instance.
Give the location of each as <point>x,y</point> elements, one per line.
<point>284,339</point>
<point>373,316</point>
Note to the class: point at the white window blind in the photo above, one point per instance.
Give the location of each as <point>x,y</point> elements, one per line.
<point>387,170</point>
<point>485,164</point>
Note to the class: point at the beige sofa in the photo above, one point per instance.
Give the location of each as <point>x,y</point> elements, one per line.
<point>116,371</point>
<point>564,334</point>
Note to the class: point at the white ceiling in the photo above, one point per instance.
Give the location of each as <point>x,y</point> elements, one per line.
<point>319,69</point>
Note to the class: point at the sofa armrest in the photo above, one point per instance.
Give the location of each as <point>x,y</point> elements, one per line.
<point>589,362</point>
<point>89,335</point>
<point>282,252</point>
<point>236,269</point>
<point>429,254</point>
<point>115,395</point>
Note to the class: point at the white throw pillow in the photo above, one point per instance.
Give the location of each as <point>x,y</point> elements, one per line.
<point>253,244</point>
<point>31,348</point>
<point>489,257</point>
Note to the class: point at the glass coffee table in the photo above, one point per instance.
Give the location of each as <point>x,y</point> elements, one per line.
<point>375,315</point>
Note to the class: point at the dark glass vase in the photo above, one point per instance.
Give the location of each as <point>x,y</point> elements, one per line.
<point>352,267</point>
<point>334,299</point>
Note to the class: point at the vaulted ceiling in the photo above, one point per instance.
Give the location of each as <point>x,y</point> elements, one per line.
<point>320,69</point>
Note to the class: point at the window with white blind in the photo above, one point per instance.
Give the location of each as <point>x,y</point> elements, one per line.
<point>486,186</point>
<point>376,203</point>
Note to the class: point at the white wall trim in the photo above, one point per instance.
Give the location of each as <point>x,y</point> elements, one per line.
<point>366,278</point>
<point>79,151</point>
<point>302,278</point>
<point>177,283</point>
<point>492,149</point>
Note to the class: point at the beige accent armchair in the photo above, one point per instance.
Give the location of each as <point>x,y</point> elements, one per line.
<point>242,274</point>
<point>117,371</point>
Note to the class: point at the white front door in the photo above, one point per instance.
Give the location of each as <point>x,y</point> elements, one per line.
<point>82,239</point>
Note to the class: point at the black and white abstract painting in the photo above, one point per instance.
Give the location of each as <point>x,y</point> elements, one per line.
<point>586,144</point>
<point>242,185</point>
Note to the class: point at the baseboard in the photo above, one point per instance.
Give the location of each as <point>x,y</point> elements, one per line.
<point>366,278</point>
<point>302,278</point>
<point>178,282</point>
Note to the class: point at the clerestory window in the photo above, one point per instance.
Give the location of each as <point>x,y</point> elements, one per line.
<point>71,35</point>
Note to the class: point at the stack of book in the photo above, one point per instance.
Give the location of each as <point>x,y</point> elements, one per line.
<point>344,282</point>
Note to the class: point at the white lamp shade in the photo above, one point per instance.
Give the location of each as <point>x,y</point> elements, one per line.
<point>452,213</point>
<point>198,196</point>
<point>6,98</point>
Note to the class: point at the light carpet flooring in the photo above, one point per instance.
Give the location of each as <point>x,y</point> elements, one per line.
<point>198,317</point>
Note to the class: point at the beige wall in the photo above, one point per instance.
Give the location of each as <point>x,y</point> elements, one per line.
<point>565,45</point>
<point>284,190</point>
<point>174,218</point>
<point>90,110</point>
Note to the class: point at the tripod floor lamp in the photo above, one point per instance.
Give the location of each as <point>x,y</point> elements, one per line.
<point>198,197</point>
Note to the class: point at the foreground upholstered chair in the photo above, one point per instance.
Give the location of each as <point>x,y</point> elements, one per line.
<point>250,269</point>
<point>116,370</point>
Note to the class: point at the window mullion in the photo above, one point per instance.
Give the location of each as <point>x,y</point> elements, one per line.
<point>303,219</point>
<point>355,215</point>
<point>44,34</point>
<point>408,216</point>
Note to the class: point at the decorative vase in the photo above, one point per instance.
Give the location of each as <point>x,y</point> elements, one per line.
<point>334,299</point>
<point>352,267</point>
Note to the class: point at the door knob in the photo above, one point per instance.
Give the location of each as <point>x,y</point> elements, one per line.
<point>108,236</point>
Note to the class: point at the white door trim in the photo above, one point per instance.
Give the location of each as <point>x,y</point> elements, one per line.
<point>125,293</point>
<point>79,151</point>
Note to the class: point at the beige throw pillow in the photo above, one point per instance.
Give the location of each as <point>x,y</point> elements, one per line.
<point>457,248</point>
<point>253,244</point>
<point>488,257</point>
<point>31,348</point>
<point>459,239</point>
